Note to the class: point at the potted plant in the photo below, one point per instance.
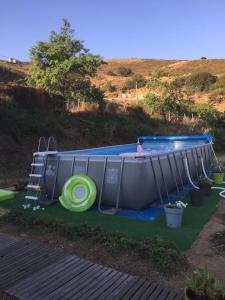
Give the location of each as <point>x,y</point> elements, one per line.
<point>205,186</point>
<point>218,175</point>
<point>196,197</point>
<point>174,213</point>
<point>203,286</point>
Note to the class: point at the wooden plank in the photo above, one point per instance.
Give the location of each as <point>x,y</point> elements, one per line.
<point>142,290</point>
<point>165,293</point>
<point>147,294</point>
<point>137,285</point>
<point>20,270</point>
<point>157,292</point>
<point>78,283</point>
<point>107,276</point>
<point>179,296</point>
<point>113,286</point>
<point>96,290</point>
<point>36,279</point>
<point>47,287</point>
<point>6,241</point>
<point>126,288</point>
<point>172,295</point>
<point>13,247</point>
<point>22,259</point>
<point>17,256</point>
<point>121,287</point>
<point>12,280</point>
<point>44,280</point>
<point>48,281</point>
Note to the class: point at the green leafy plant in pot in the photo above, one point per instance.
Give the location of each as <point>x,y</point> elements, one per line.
<point>205,186</point>
<point>203,286</point>
<point>174,213</point>
<point>196,197</point>
<point>218,175</point>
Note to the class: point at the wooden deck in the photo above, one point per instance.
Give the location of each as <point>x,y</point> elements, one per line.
<point>31,271</point>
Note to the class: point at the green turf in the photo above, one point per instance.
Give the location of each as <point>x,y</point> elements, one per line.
<point>193,221</point>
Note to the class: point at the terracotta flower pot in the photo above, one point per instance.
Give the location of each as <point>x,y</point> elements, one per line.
<point>205,188</point>
<point>196,197</point>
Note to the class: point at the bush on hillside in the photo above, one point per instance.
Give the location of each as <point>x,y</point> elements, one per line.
<point>108,87</point>
<point>111,73</point>
<point>219,84</point>
<point>128,85</point>
<point>179,82</point>
<point>200,82</point>
<point>125,72</point>
<point>139,79</point>
<point>158,73</point>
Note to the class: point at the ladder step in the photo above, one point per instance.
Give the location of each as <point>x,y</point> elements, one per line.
<point>36,175</point>
<point>31,197</point>
<point>33,187</point>
<point>37,165</point>
<point>44,153</point>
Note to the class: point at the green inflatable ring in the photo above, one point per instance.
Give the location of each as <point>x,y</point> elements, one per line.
<point>78,194</point>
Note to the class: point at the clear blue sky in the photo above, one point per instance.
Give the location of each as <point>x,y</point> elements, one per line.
<point>182,29</point>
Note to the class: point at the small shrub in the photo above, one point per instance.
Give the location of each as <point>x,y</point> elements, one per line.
<point>219,84</point>
<point>111,73</point>
<point>204,286</point>
<point>200,82</point>
<point>108,87</point>
<point>128,85</point>
<point>139,79</point>
<point>158,73</point>
<point>179,82</point>
<point>131,83</point>
<point>125,72</point>
<point>203,57</point>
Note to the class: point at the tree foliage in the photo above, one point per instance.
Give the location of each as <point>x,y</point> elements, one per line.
<point>200,82</point>
<point>166,97</point>
<point>63,66</point>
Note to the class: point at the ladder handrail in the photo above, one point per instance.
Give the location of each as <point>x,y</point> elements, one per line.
<point>52,140</point>
<point>41,140</point>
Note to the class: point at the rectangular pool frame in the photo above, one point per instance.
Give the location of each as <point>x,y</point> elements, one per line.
<point>127,182</point>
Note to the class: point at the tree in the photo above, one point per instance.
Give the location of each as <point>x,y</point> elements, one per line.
<point>166,97</point>
<point>63,66</point>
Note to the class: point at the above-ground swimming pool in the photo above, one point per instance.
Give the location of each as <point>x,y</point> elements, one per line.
<point>129,179</point>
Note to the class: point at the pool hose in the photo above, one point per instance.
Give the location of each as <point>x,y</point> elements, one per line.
<point>204,172</point>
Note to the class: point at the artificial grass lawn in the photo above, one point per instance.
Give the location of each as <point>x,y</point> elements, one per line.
<point>193,220</point>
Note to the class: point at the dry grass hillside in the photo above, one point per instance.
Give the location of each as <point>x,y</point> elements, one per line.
<point>108,75</point>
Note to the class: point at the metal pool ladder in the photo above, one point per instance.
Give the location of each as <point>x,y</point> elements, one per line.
<point>36,185</point>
